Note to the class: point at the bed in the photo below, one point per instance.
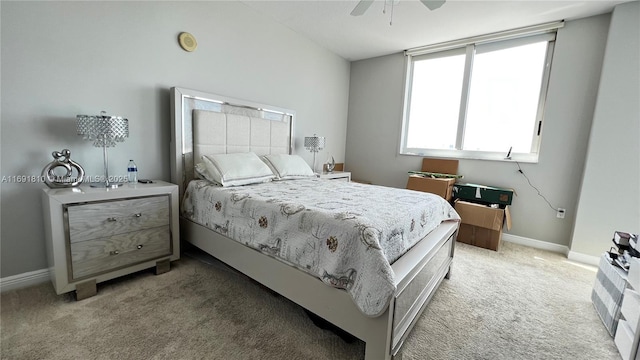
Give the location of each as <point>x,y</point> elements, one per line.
<point>381,310</point>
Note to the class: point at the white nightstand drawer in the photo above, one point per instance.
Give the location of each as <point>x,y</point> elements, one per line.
<point>336,176</point>
<point>624,340</point>
<point>634,273</point>
<point>92,257</point>
<point>631,308</point>
<point>104,219</point>
<point>96,234</point>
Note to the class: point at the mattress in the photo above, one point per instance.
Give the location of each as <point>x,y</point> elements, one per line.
<point>346,234</point>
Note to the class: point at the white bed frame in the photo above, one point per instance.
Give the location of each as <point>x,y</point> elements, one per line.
<point>418,273</point>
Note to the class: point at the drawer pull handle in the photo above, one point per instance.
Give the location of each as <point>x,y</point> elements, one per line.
<point>139,247</point>
<point>137,215</point>
<point>114,252</point>
<point>112,219</point>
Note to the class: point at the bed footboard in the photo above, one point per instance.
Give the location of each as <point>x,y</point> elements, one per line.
<point>419,273</point>
<point>417,280</point>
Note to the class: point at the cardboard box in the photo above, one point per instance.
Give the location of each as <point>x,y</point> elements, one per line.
<point>438,186</point>
<point>441,166</point>
<point>483,194</point>
<point>442,187</point>
<point>481,225</point>
<point>480,237</point>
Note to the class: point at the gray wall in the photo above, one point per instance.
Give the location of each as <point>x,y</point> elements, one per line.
<point>60,59</point>
<point>610,196</point>
<point>373,132</point>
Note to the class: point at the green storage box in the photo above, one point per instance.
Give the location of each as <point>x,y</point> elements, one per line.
<point>483,194</point>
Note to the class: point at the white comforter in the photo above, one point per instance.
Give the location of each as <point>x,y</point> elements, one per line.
<point>345,233</point>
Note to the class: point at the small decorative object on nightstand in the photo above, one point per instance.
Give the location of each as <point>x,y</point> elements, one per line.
<point>336,175</point>
<point>62,159</point>
<point>97,234</point>
<point>331,164</point>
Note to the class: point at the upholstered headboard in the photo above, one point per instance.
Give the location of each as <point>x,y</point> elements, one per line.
<point>204,123</point>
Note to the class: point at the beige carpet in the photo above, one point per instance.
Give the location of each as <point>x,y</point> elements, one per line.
<point>519,303</point>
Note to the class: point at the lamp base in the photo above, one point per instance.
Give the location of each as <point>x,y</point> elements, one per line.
<point>107,186</point>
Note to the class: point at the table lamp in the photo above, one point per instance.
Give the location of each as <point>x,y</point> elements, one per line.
<point>104,131</point>
<point>314,144</point>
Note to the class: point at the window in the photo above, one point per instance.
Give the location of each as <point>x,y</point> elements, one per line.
<point>478,98</point>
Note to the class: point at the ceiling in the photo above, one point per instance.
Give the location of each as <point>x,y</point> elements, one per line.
<point>329,23</point>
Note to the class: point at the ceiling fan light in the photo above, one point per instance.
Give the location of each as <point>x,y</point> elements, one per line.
<point>361,7</point>
<point>364,5</point>
<point>432,4</point>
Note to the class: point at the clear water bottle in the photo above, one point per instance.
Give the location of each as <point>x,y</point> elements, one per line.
<point>132,171</point>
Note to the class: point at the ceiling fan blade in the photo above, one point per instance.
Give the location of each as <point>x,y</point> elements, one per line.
<point>432,4</point>
<point>362,6</point>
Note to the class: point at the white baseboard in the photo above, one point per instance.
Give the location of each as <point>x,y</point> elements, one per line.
<point>24,280</point>
<point>542,245</point>
<point>561,249</point>
<point>583,258</point>
<point>41,276</point>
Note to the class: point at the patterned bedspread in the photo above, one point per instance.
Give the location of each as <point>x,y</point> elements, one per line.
<point>345,233</point>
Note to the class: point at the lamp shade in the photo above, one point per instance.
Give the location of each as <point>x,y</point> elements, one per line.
<point>103,130</point>
<point>314,143</point>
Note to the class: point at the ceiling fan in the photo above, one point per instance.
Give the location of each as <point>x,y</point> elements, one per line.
<point>363,5</point>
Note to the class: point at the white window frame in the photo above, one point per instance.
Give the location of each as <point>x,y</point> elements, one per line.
<point>482,43</point>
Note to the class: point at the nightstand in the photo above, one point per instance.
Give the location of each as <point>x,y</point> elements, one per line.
<point>606,295</point>
<point>628,332</point>
<point>97,234</point>
<point>336,175</point>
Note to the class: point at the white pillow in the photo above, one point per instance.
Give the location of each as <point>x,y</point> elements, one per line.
<point>237,169</point>
<point>288,166</point>
<point>201,171</point>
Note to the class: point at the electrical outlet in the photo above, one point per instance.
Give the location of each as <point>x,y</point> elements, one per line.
<point>560,213</point>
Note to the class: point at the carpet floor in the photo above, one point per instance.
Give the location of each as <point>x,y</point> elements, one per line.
<point>519,303</point>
